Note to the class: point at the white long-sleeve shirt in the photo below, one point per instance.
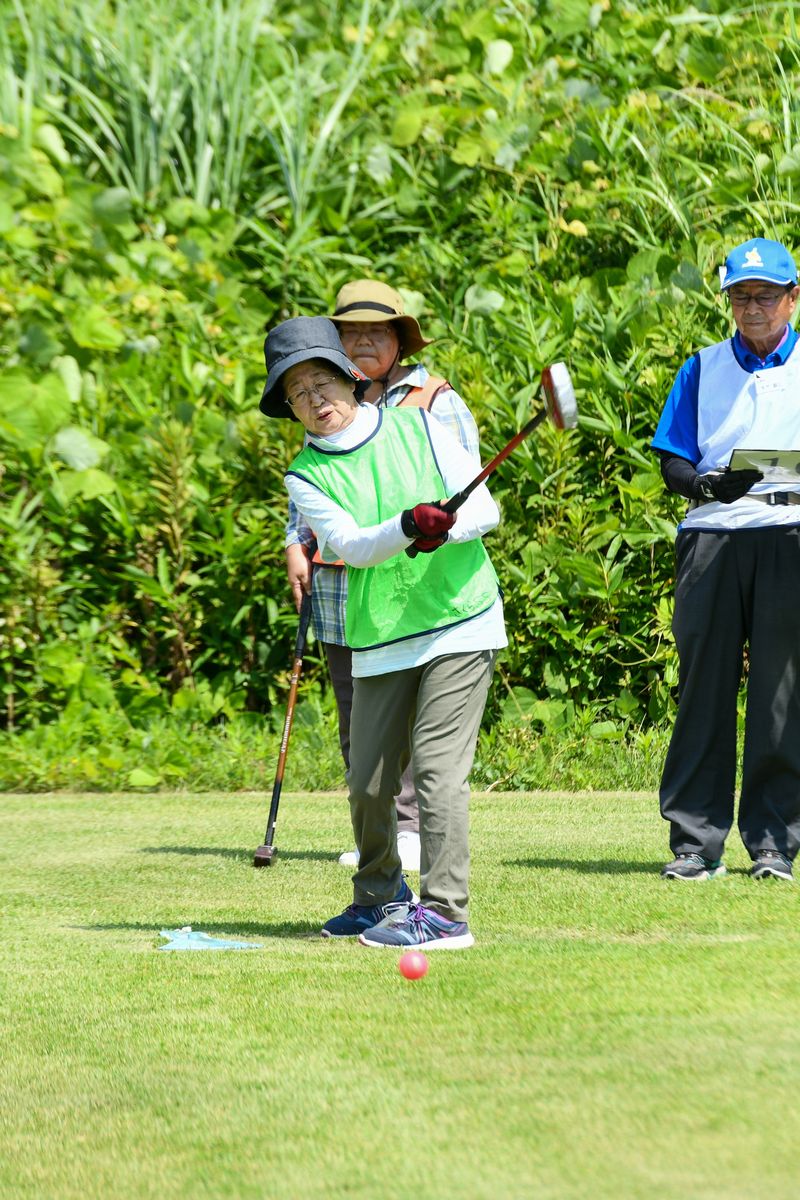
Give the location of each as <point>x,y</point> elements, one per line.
<point>340,536</point>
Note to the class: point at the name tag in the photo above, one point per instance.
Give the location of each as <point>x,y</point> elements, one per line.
<point>767,382</point>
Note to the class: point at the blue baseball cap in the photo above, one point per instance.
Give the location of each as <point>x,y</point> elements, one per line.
<point>758,259</point>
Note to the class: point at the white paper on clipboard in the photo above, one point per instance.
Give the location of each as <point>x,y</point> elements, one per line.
<point>777,466</point>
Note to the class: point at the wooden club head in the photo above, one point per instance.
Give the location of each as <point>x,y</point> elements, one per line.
<point>559,396</point>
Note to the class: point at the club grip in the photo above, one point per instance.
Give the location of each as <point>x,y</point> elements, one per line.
<point>302,630</point>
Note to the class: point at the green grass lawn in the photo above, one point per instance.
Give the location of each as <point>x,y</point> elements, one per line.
<point>610,1035</point>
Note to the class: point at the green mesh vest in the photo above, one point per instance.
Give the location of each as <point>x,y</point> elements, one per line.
<point>403,597</point>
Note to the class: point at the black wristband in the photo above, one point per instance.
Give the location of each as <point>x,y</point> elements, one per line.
<point>408,524</point>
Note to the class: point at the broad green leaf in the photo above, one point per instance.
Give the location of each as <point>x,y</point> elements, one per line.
<point>407,127</point>
<point>509,155</point>
<point>30,413</point>
<point>184,211</point>
<point>707,57</point>
<point>570,16</point>
<point>789,163</point>
<point>49,139</point>
<point>482,300</point>
<point>499,54</point>
<point>644,265</point>
<point>413,302</point>
<point>687,278</point>
<point>95,329</point>
<point>575,228</point>
<point>112,206</point>
<point>378,163</point>
<point>480,25</point>
<point>22,237</point>
<point>605,731</point>
<point>519,705</point>
<point>39,344</point>
<point>88,484</point>
<point>514,264</point>
<point>70,374</point>
<point>40,175</point>
<point>78,448</point>
<point>468,149</point>
<point>141,778</point>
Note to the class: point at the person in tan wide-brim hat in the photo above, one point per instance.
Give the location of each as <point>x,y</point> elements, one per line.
<point>378,336</point>
<point>366,301</point>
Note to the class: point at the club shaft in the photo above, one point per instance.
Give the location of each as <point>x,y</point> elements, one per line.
<point>455,502</point>
<point>297,670</point>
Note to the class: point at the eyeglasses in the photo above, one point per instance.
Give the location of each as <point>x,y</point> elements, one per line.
<point>762,299</point>
<point>380,331</point>
<point>322,388</point>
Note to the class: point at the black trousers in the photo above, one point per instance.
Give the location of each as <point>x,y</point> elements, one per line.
<point>736,588</point>
<point>340,661</point>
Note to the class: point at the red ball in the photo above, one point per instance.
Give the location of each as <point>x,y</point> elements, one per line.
<point>413,964</point>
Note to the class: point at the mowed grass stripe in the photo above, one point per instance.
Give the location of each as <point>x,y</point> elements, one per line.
<point>606,1030</point>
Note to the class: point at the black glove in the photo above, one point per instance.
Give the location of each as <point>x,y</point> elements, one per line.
<point>726,486</point>
<point>427,521</point>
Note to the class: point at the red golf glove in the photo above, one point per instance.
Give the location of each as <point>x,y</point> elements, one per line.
<point>427,521</point>
<point>426,545</point>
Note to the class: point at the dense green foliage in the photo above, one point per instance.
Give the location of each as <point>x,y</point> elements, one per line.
<point>543,181</point>
<point>101,749</point>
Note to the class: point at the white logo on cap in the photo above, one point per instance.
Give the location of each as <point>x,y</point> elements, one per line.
<point>753,259</point>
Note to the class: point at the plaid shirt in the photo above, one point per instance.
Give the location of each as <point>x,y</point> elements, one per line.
<point>329,586</point>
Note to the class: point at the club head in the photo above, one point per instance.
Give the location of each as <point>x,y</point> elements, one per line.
<point>559,395</point>
<point>263,856</point>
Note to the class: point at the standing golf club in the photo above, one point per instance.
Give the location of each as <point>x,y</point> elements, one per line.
<point>561,408</point>
<point>266,852</point>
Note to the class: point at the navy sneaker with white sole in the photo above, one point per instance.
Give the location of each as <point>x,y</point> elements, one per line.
<point>693,867</point>
<point>419,928</point>
<point>357,918</point>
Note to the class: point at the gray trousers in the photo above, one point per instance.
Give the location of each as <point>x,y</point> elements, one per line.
<point>340,660</point>
<point>433,711</point>
<point>732,588</point>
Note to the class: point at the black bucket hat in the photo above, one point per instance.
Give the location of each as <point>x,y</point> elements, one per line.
<point>296,341</point>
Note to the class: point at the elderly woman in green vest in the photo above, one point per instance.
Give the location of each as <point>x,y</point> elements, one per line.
<point>424,628</point>
<point>380,337</point>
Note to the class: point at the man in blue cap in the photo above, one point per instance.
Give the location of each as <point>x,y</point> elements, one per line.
<point>738,578</point>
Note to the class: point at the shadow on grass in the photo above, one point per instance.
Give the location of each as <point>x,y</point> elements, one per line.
<point>245,856</point>
<point>282,929</point>
<point>602,866</point>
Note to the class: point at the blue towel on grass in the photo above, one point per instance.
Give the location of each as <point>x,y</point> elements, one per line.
<point>187,939</point>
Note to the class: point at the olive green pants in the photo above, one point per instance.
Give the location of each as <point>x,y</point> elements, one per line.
<point>436,710</point>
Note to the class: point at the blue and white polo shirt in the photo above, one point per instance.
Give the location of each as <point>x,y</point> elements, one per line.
<point>726,398</point>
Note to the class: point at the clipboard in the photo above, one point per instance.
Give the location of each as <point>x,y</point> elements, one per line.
<point>777,466</point>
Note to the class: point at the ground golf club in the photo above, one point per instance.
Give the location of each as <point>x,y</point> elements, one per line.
<point>266,852</point>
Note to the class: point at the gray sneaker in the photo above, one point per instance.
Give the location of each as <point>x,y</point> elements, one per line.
<point>771,864</point>
<point>415,926</point>
<point>693,867</point>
